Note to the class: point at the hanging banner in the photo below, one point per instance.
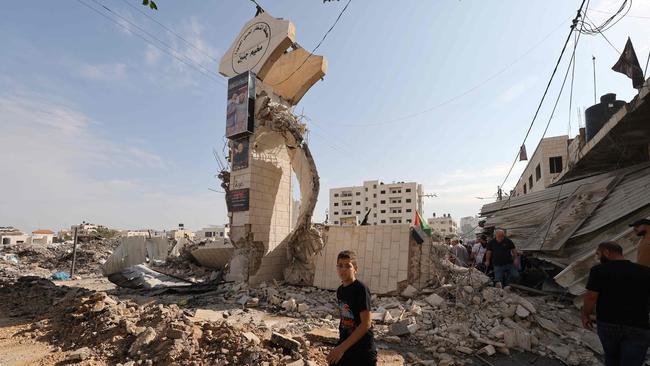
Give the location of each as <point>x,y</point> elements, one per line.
<point>240,108</point>
<point>238,200</point>
<point>239,153</point>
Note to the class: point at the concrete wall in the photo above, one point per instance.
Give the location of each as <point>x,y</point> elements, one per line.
<point>383,256</point>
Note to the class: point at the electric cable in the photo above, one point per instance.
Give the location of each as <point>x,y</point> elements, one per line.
<point>317,46</point>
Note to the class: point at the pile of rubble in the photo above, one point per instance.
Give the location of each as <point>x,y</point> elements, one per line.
<point>449,323</point>
<point>93,325</point>
<point>40,260</point>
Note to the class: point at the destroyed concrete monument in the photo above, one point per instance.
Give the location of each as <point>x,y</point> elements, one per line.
<point>269,74</point>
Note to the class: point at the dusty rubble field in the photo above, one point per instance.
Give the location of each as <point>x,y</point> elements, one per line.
<point>90,321</point>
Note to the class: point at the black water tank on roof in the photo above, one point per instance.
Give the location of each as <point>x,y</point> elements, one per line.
<point>598,114</point>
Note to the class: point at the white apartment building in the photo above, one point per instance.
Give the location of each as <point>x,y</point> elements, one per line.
<point>9,235</point>
<point>444,225</point>
<point>394,203</point>
<point>546,163</point>
<point>42,237</point>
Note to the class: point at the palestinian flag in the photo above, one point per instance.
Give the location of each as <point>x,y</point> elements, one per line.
<point>420,223</point>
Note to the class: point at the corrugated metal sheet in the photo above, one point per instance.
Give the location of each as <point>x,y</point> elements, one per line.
<point>631,194</point>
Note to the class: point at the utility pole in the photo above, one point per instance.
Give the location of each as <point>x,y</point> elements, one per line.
<point>74,252</point>
<point>593,60</point>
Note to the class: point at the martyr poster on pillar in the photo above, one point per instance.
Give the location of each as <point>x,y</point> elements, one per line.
<point>240,108</point>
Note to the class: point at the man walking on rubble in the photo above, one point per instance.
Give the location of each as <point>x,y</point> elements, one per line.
<point>500,253</point>
<point>458,254</point>
<point>619,290</point>
<point>356,346</point>
<point>642,229</point>
<point>478,253</point>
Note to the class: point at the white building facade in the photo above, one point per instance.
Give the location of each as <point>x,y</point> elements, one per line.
<point>213,232</point>
<point>394,203</point>
<point>444,225</point>
<point>546,163</point>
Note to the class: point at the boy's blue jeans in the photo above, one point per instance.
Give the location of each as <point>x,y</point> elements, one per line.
<point>623,345</point>
<point>500,273</point>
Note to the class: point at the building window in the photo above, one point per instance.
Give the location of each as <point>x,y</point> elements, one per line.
<point>336,212</point>
<point>366,199</point>
<point>408,221</point>
<point>382,211</point>
<point>538,172</point>
<point>555,164</point>
<point>408,210</point>
<point>358,212</point>
<point>530,182</point>
<point>374,205</point>
<point>374,186</point>
<point>408,190</point>
<point>382,202</point>
<point>525,190</point>
<point>408,200</point>
<point>374,215</point>
<point>383,221</point>
<point>358,203</point>
<point>382,192</point>
<point>336,203</point>
<point>374,195</point>
<point>336,222</point>
<point>366,189</point>
<point>336,194</point>
<point>358,193</point>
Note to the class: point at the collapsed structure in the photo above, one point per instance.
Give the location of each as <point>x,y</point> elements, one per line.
<point>603,188</point>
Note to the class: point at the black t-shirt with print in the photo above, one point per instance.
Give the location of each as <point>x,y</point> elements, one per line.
<point>352,300</point>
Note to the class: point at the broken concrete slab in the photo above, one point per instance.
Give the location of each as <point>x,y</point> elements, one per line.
<point>285,341</point>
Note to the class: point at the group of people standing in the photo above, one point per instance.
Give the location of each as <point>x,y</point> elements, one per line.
<point>498,257</point>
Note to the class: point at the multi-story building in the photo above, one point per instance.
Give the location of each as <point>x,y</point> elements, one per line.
<point>469,227</point>
<point>544,165</point>
<point>394,203</point>
<point>444,225</point>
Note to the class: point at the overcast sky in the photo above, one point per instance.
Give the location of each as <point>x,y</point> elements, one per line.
<point>99,125</point>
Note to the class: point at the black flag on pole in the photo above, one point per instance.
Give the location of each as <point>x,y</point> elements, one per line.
<point>629,65</point>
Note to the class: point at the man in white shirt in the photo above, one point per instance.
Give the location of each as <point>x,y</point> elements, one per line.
<point>478,252</point>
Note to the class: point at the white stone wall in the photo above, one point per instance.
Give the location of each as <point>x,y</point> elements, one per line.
<point>383,256</point>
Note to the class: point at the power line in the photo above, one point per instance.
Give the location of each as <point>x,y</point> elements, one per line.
<point>548,85</point>
<point>318,45</point>
<point>627,15</point>
<point>187,62</point>
<point>466,92</point>
<point>603,35</point>
<point>128,2</point>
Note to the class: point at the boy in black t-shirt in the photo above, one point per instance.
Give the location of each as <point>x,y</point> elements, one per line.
<point>356,344</point>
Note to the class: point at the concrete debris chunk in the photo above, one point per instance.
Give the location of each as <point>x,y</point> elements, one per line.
<point>79,355</point>
<point>488,350</point>
<point>522,312</point>
<point>409,292</point>
<point>324,335</point>
<point>285,341</point>
<point>434,300</point>
<point>403,327</point>
<point>289,305</point>
<point>144,339</point>
<point>251,337</point>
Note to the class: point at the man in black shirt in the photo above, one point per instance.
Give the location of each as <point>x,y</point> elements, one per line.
<point>619,290</point>
<point>356,346</point>
<point>500,253</point>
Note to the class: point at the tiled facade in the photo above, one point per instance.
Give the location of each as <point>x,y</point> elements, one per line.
<point>383,256</point>
<point>444,225</point>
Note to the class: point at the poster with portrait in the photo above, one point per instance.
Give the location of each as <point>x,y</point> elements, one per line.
<point>239,153</point>
<point>240,107</point>
<point>238,200</point>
